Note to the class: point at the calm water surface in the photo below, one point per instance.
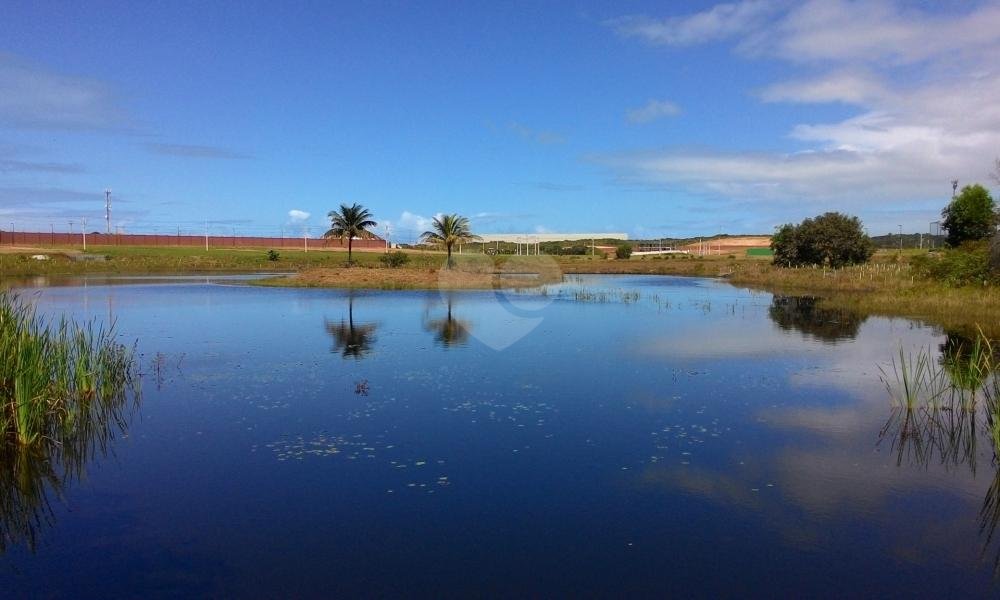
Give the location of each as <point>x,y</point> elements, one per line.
<point>615,435</point>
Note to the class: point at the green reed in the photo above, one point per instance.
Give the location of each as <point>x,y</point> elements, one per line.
<point>55,379</point>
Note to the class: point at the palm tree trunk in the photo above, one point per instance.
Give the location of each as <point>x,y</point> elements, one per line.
<point>449,255</point>
<point>350,247</point>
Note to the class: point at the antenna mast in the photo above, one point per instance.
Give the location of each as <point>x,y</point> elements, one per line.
<point>107,208</point>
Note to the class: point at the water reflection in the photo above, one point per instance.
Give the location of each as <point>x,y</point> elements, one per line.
<point>351,339</point>
<point>31,474</point>
<point>448,331</point>
<point>947,415</point>
<point>967,361</point>
<point>803,314</point>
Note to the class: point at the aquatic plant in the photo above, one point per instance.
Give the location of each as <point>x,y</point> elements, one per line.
<point>942,409</point>
<point>65,390</point>
<point>53,377</point>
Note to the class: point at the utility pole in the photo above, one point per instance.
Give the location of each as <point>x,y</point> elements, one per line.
<point>954,188</point>
<point>206,235</point>
<point>305,239</point>
<point>900,239</point>
<point>85,234</point>
<point>107,209</point>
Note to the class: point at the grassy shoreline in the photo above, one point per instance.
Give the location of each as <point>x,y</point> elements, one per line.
<point>885,287</point>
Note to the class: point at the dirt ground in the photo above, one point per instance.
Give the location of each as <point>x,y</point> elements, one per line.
<point>730,245</point>
<point>402,278</point>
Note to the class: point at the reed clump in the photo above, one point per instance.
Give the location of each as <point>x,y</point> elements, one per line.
<point>58,380</point>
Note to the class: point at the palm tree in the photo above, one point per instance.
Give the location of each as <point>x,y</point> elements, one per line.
<point>449,230</point>
<point>350,222</point>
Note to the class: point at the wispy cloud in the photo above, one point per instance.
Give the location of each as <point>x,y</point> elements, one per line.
<point>535,135</point>
<point>27,197</point>
<point>651,111</point>
<point>34,97</point>
<point>550,186</point>
<point>10,165</point>
<point>196,151</point>
<point>298,216</point>
<point>717,23</point>
<point>910,137</point>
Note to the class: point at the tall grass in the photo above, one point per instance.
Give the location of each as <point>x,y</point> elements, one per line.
<point>53,379</point>
<point>942,409</point>
<point>65,390</point>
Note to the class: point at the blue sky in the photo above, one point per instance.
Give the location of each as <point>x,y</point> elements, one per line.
<point>657,119</point>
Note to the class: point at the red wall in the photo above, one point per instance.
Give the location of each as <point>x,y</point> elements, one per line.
<point>22,238</point>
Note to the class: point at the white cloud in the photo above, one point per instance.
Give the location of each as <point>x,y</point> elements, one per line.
<point>33,97</point>
<point>925,85</point>
<point>408,227</point>
<point>195,151</point>
<point>651,111</point>
<point>840,86</point>
<point>719,22</point>
<point>297,216</point>
<point>535,135</point>
<point>875,31</point>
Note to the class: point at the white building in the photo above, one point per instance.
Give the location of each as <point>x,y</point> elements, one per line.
<point>534,238</point>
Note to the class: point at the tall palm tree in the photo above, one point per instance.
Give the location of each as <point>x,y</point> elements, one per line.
<point>448,231</point>
<point>350,222</point>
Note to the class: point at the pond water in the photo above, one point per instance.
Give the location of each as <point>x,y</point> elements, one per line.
<point>613,435</point>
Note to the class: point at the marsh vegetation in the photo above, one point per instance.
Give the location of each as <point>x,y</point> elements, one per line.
<point>66,391</point>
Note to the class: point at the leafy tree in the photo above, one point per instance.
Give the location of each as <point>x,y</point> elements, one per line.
<point>831,239</point>
<point>350,222</point>
<point>970,216</point>
<point>623,251</point>
<point>449,230</point>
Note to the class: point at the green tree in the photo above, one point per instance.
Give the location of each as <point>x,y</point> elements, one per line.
<point>447,231</point>
<point>995,254</point>
<point>970,216</point>
<point>831,239</point>
<point>785,245</point>
<point>350,222</point>
<point>623,251</point>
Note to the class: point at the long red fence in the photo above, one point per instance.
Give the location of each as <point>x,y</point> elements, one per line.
<point>27,238</point>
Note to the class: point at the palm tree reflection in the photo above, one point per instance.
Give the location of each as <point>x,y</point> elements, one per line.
<point>449,331</point>
<point>351,339</point>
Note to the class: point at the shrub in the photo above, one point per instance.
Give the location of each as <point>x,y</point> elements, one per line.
<point>394,259</point>
<point>272,255</point>
<point>831,239</point>
<point>968,265</point>
<point>623,251</point>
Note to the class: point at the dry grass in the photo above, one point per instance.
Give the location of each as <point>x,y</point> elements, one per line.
<point>415,278</point>
<point>887,289</point>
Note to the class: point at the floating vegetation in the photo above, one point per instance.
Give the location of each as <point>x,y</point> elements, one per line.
<point>606,296</point>
<point>65,390</point>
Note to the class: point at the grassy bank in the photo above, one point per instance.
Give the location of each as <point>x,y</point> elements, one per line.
<point>887,286</point>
